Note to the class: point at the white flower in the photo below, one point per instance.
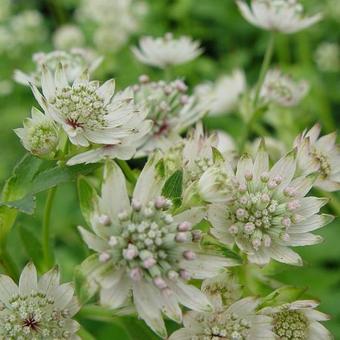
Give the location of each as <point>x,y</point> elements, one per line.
<point>67,37</point>
<point>282,89</point>
<point>39,135</point>
<point>38,308</point>
<point>166,51</point>
<point>238,321</point>
<point>144,248</point>
<point>327,57</point>
<point>88,112</point>
<point>267,211</point>
<point>320,155</point>
<point>298,320</point>
<point>224,93</point>
<point>275,148</point>
<point>74,62</point>
<point>286,16</point>
<point>170,108</point>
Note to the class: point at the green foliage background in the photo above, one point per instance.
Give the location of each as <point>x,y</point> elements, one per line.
<point>229,42</point>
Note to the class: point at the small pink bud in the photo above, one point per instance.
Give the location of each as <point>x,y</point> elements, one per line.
<point>104,220</point>
<point>286,221</point>
<point>184,274</point>
<point>136,205</point>
<point>172,275</point>
<point>196,235</point>
<point>144,79</point>
<point>267,241</point>
<point>189,255</point>
<point>292,205</point>
<point>184,99</point>
<point>104,257</point>
<point>167,292</point>
<point>180,86</point>
<point>284,237</point>
<point>240,212</point>
<point>159,283</point>
<point>149,262</point>
<point>130,253</point>
<point>265,177</point>
<point>278,179</point>
<point>233,229</point>
<point>249,227</point>
<point>113,241</point>
<point>160,202</point>
<point>248,176</point>
<point>181,237</point>
<point>272,184</point>
<point>136,274</point>
<point>289,191</point>
<point>184,226</point>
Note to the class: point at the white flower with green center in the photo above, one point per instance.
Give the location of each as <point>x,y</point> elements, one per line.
<point>267,212</point>
<point>145,248</point>
<point>38,308</point>
<point>170,108</point>
<point>224,93</point>
<point>298,321</point>
<point>286,16</point>
<point>321,155</point>
<point>74,62</point>
<point>40,135</point>
<point>166,51</point>
<point>282,89</point>
<point>238,321</point>
<point>90,113</point>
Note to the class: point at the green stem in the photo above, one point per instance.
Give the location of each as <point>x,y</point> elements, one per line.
<point>46,244</point>
<point>8,265</point>
<point>130,176</point>
<point>167,73</point>
<point>57,11</point>
<point>264,68</point>
<point>256,113</point>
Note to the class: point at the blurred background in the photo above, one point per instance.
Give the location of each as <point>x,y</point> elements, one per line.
<point>109,28</point>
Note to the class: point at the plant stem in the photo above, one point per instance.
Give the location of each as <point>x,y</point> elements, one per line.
<point>130,176</point>
<point>255,112</point>
<point>85,335</point>
<point>264,68</point>
<point>48,254</point>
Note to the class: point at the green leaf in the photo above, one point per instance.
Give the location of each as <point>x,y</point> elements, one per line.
<point>26,205</point>
<point>88,198</point>
<point>172,188</point>
<point>32,246</point>
<point>136,329</point>
<point>217,156</point>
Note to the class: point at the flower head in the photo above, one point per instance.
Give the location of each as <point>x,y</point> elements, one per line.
<point>238,321</point>
<point>321,155</point>
<point>38,308</point>
<point>286,16</point>
<point>39,135</point>
<point>144,247</point>
<point>267,211</point>
<point>67,37</point>
<point>224,93</point>
<point>88,112</point>
<point>166,51</point>
<point>327,57</point>
<point>282,89</point>
<point>170,108</point>
<point>74,63</point>
<point>298,320</point>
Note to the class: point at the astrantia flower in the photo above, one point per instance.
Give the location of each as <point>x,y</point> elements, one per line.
<point>74,63</point>
<point>166,51</point>
<point>170,108</point>
<point>286,16</point>
<point>67,37</point>
<point>143,247</point>
<point>282,89</point>
<point>321,155</point>
<point>298,320</point>
<point>327,57</point>
<point>88,112</point>
<point>224,93</point>
<point>39,135</point>
<point>267,211</point>
<point>236,322</point>
<point>38,308</point>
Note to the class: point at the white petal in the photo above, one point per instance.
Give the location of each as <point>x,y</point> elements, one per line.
<point>193,215</point>
<point>312,223</point>
<point>63,295</point>
<point>310,206</point>
<point>28,282</point>
<point>285,255</point>
<point>93,241</point>
<point>244,165</point>
<point>317,332</point>
<point>304,239</point>
<point>8,289</point>
<point>49,281</point>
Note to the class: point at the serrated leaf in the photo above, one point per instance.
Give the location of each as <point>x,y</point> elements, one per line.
<point>88,198</point>
<point>32,246</point>
<point>172,188</point>
<point>26,205</point>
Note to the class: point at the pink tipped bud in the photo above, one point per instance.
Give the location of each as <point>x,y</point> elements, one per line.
<point>124,215</point>
<point>136,274</point>
<point>289,191</point>
<point>272,184</point>
<point>278,179</point>
<point>240,212</point>
<point>267,241</point>
<point>184,226</point>
<point>265,177</point>
<point>130,253</point>
<point>181,237</point>
<point>248,176</point>
<point>265,198</point>
<point>135,88</point>
<point>136,205</point>
<point>286,221</point>
<point>297,218</point>
<point>144,79</point>
<point>293,205</point>
<point>249,228</point>
<point>184,99</point>
<point>104,220</point>
<point>242,187</point>
<point>104,257</point>
<point>189,255</point>
<point>167,292</point>
<point>284,237</point>
<point>184,274</point>
<point>180,86</point>
<point>167,90</point>
<point>113,241</point>
<point>160,283</point>
<point>233,229</point>
<point>256,242</point>
<point>149,262</point>
<point>160,202</point>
